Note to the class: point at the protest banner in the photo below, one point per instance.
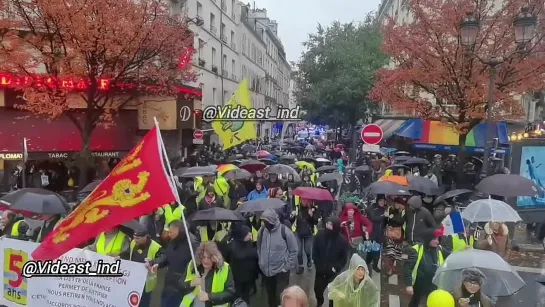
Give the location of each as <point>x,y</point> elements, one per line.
<point>67,291</point>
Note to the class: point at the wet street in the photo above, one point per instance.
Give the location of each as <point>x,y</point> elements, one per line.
<point>529,266</point>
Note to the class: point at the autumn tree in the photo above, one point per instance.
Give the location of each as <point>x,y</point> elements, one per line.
<point>336,72</point>
<point>436,77</point>
<point>108,52</point>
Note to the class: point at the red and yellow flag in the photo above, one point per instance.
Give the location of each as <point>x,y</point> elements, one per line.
<point>136,186</point>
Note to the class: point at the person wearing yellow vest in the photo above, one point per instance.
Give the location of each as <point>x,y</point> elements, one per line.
<point>143,248</point>
<point>112,243</point>
<point>423,261</point>
<point>212,231</point>
<point>50,222</point>
<point>457,242</point>
<point>219,184</point>
<point>217,288</point>
<point>305,227</point>
<point>13,226</point>
<point>170,212</point>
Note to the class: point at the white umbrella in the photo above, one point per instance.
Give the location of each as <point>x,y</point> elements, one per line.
<point>490,210</point>
<point>501,278</point>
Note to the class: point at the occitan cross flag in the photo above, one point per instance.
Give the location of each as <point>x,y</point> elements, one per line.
<point>136,186</point>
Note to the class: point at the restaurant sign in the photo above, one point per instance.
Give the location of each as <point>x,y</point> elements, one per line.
<point>60,155</point>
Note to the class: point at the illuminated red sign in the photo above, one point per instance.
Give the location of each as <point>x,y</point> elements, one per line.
<point>72,84</point>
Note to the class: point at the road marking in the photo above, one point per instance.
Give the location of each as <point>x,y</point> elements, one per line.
<point>376,277</point>
<point>528,270</point>
<point>392,280</point>
<point>393,301</point>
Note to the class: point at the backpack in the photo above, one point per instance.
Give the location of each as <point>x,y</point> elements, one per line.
<point>282,232</point>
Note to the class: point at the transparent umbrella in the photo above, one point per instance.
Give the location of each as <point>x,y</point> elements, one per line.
<point>501,278</point>
<point>490,210</point>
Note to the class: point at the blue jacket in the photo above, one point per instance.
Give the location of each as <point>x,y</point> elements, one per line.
<point>255,194</point>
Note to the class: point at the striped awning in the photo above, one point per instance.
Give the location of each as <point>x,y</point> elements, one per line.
<point>389,126</point>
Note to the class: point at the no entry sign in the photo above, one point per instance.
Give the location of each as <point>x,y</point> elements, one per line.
<point>197,134</point>
<point>371,134</point>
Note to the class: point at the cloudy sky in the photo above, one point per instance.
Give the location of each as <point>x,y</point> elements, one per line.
<point>297,18</point>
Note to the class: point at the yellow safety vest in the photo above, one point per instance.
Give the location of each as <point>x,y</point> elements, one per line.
<point>171,215</point>
<point>218,284</point>
<point>254,231</point>
<point>114,246</point>
<point>218,236</point>
<point>460,244</point>
<point>15,228</point>
<point>154,247</point>
<point>294,226</point>
<point>221,187</point>
<point>418,248</point>
<point>39,238</point>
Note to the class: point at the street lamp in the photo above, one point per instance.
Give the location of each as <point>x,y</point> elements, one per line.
<point>524,27</point>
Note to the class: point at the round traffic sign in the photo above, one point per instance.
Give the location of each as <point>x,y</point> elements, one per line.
<point>197,134</point>
<point>371,134</point>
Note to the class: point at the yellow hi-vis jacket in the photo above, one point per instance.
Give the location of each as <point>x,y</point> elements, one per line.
<point>294,226</point>
<point>154,247</point>
<point>221,187</point>
<point>114,246</point>
<point>218,236</point>
<point>460,244</point>
<point>218,284</point>
<point>420,252</point>
<point>171,215</point>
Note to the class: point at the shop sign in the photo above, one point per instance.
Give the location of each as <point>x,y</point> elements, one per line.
<point>11,156</point>
<point>107,154</point>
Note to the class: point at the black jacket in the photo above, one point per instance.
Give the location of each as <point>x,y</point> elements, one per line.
<point>224,297</point>
<point>429,262</point>
<point>330,250</point>
<point>176,257</point>
<point>418,219</point>
<point>375,213</point>
<point>305,223</point>
<point>242,256</point>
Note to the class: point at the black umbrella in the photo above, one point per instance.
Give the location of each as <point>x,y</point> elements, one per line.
<point>288,157</point>
<point>326,168</point>
<point>330,177</point>
<point>508,185</point>
<point>423,185</point>
<point>401,153</point>
<point>387,188</point>
<point>395,166</point>
<point>363,168</point>
<point>451,194</point>
<point>237,174</point>
<point>130,227</point>
<point>38,201</point>
<point>259,205</point>
<point>199,171</point>
<point>180,171</point>
<point>267,161</point>
<point>90,187</point>
<point>416,161</point>
<point>401,159</point>
<point>217,214</point>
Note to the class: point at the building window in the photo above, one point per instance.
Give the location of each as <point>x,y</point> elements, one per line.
<point>243,71</point>
<point>244,43</point>
<point>213,56</point>
<point>224,62</point>
<point>232,38</point>
<point>199,9</point>
<point>222,33</point>
<point>225,97</point>
<point>214,101</point>
<point>213,24</point>
<point>233,69</point>
<point>200,46</point>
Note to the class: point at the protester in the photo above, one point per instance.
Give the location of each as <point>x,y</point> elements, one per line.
<point>242,255</point>
<point>272,181</point>
<point>294,296</point>
<point>354,287</point>
<point>330,253</point>
<point>176,258</point>
<point>215,286</point>
<point>469,293</point>
<point>277,253</point>
<point>393,248</point>
<point>377,214</point>
<point>423,260</point>
<point>304,227</point>
<point>50,222</point>
<point>210,200</point>
<point>14,226</point>
<point>142,248</point>
<point>418,220</point>
<point>260,192</point>
<point>355,227</point>
<point>496,239</point>
<point>112,242</point>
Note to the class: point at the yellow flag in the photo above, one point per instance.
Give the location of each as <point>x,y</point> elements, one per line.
<point>231,131</point>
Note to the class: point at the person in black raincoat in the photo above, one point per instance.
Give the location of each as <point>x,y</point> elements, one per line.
<point>330,253</point>
<point>377,214</point>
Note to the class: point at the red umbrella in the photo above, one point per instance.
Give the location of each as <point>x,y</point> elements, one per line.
<point>313,193</point>
<point>252,166</point>
<point>262,153</point>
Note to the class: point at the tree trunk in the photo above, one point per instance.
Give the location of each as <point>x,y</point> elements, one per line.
<point>461,154</point>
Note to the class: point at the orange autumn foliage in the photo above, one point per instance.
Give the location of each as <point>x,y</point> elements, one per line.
<point>123,41</point>
<point>432,65</point>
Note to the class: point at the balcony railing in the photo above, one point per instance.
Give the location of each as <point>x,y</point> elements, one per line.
<point>233,16</point>
<point>224,73</point>
<point>233,46</point>
<point>224,38</point>
<point>213,30</point>
<point>234,77</point>
<point>223,6</point>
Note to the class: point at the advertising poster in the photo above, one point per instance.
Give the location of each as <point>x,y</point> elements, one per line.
<point>67,291</point>
<point>532,166</point>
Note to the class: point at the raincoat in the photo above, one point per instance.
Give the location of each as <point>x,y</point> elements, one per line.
<point>344,293</point>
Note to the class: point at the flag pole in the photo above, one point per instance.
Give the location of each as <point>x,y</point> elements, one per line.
<point>175,191</point>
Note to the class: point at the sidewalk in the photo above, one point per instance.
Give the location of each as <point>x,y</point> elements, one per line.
<point>525,241</point>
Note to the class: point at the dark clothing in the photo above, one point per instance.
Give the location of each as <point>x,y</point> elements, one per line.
<point>47,228</point>
<point>422,288</point>
<point>176,257</point>
<point>236,192</point>
<point>224,297</point>
<point>320,284</point>
<point>330,250</point>
<point>274,285</point>
<point>375,213</point>
<point>218,202</point>
<point>418,221</point>
<point>242,256</point>
<point>305,222</point>
<point>23,228</point>
<point>272,184</point>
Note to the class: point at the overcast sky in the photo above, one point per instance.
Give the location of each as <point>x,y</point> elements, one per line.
<point>297,18</point>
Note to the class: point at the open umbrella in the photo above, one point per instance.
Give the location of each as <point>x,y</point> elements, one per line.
<point>178,172</point>
<point>305,165</point>
<point>363,169</point>
<point>330,177</point>
<point>490,210</point>
<point>395,179</point>
<point>326,168</point>
<point>217,214</point>
<point>197,171</point>
<point>262,153</point>
<point>267,161</point>
<point>280,169</point>
<point>423,185</point>
<point>451,194</point>
<point>396,166</point>
<point>388,188</point>
<point>238,174</point>
<point>38,201</point>
<point>401,159</point>
<point>508,185</point>
<point>90,187</point>
<point>288,157</point>
<point>323,160</point>
<point>259,205</point>
<point>252,166</point>
<point>501,278</point>
<point>402,153</point>
<point>224,168</point>
<point>416,161</point>
<point>313,193</point>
